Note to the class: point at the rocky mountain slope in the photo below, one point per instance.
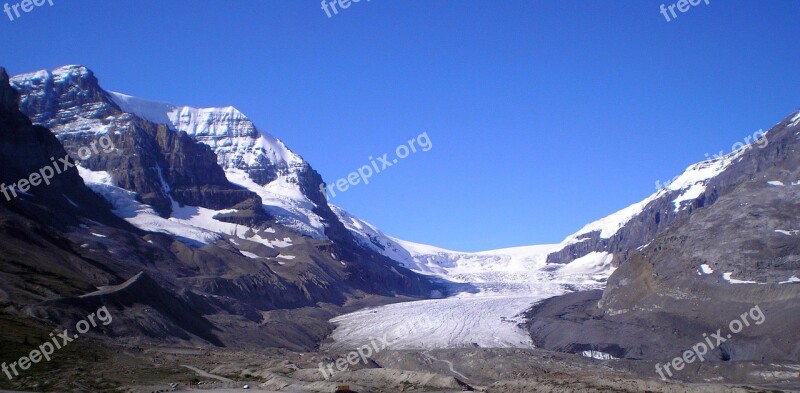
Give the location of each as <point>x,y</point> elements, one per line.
<point>146,205</point>
<point>737,249</point>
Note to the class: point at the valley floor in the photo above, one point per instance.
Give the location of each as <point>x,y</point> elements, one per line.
<point>506,370</point>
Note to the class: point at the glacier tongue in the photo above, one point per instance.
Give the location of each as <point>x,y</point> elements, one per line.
<point>488,311</point>
<point>492,289</point>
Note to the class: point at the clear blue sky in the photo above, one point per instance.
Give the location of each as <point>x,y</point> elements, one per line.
<point>544,115</point>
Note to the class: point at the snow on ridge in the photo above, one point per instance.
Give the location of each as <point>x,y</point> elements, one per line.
<point>691,184</point>
<point>59,74</point>
<point>225,129</point>
<point>283,199</point>
<point>694,180</point>
<point>515,264</point>
<point>240,146</point>
<point>795,120</point>
<point>154,111</point>
<point>611,224</point>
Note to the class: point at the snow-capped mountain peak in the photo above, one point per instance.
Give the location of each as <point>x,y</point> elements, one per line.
<point>250,157</point>
<point>233,136</point>
<point>70,101</point>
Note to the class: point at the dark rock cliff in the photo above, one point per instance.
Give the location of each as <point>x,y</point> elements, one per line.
<point>737,250</point>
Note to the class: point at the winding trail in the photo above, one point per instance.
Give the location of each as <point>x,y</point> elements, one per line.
<point>449,363</point>
<point>208,375</point>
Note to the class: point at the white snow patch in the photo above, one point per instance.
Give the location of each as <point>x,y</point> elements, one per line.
<point>189,223</point>
<point>283,200</point>
<point>777,183</point>
<point>271,243</point>
<point>286,256</point>
<point>693,181</point>
<point>706,269</point>
<point>597,355</point>
<point>95,177</point>
<point>98,235</point>
<point>249,254</point>
<point>727,277</point>
<point>188,226</point>
<point>795,120</point>
<point>791,279</point>
<point>791,232</point>
<point>591,264</point>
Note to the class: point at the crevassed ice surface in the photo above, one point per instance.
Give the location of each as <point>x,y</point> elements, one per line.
<point>495,288</point>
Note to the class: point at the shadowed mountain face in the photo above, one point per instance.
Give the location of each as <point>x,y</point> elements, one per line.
<point>148,159</point>
<point>179,252</point>
<point>738,248</point>
<point>26,149</point>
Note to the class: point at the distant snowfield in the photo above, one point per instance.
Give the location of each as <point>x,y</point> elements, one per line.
<point>488,318</point>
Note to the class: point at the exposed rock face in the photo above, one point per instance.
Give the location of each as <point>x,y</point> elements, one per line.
<point>738,249</point>
<point>8,98</point>
<point>159,312</point>
<point>61,242</point>
<point>148,158</point>
<point>168,153</point>
<point>24,150</point>
<point>656,215</point>
<point>699,186</point>
<point>54,99</point>
<point>263,159</point>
